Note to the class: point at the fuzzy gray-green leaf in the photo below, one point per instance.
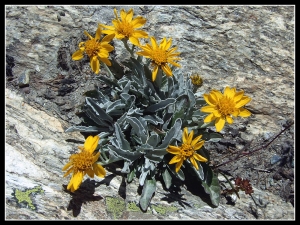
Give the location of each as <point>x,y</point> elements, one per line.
<point>167,178</point>
<point>123,143</point>
<point>172,134</point>
<point>86,129</point>
<point>97,109</point>
<point>161,105</point>
<point>147,193</point>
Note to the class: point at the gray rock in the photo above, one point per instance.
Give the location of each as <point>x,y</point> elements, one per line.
<point>249,47</point>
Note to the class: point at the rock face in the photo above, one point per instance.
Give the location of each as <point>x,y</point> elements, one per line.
<point>248,47</point>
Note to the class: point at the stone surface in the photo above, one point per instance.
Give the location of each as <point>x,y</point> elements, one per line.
<point>249,47</point>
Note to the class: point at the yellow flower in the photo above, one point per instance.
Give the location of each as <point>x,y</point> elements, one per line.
<point>223,106</point>
<point>196,79</point>
<point>95,49</point>
<point>160,56</point>
<point>187,150</point>
<point>126,27</point>
<point>83,163</point>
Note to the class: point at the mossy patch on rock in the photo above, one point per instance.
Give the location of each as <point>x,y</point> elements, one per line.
<point>23,196</point>
<point>163,210</point>
<point>115,206</point>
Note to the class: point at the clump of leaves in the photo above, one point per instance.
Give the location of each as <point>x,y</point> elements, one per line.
<point>137,119</point>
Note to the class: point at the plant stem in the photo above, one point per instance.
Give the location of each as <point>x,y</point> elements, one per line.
<point>250,153</point>
<point>108,70</point>
<point>124,40</point>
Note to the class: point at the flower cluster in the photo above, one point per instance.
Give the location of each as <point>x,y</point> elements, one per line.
<point>149,117</point>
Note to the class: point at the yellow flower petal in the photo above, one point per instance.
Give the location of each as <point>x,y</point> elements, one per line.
<point>98,33</point>
<point>178,165</point>
<point>103,54</point>
<point>209,118</point>
<point>167,70</point>
<point>229,92</point>
<point>129,16</point>
<point>174,63</point>
<point>144,53</point>
<point>196,140</point>
<point>173,149</point>
<point>229,119</point>
<point>67,166</point>
<point>75,181</point>
<point>154,73</point>
<point>77,55</point>
<point>220,122</point>
<point>217,113</point>
<point>243,101</point>
<point>153,42</point>
<point>87,34</point>
<point>168,45</point>
<point>99,170</point>
<point>91,143</point>
<point>195,164</point>
<point>123,15</point>
<point>108,37</point>
<point>110,28</point>
<point>140,34</point>
<point>109,32</point>
<point>134,41</point>
<point>138,22</point>
<point>90,172</point>
<point>106,61</point>
<point>96,157</point>
<point>190,138</point>
<point>175,159</point>
<point>210,100</point>
<point>68,172</point>
<point>244,112</point>
<point>106,47</point>
<point>238,95</point>
<point>208,109</point>
<point>185,135</point>
<point>198,145</point>
<point>95,65</point>
<point>215,94</point>
<point>200,158</point>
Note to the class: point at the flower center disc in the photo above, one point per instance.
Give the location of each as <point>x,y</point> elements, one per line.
<point>92,47</point>
<point>82,160</point>
<point>126,29</point>
<point>226,106</point>
<point>186,150</point>
<point>159,56</point>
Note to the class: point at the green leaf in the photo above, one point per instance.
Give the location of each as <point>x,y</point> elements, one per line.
<point>147,193</point>
<point>138,128</point>
<point>198,172</point>
<point>86,129</point>
<point>131,175</point>
<point>160,106</point>
<point>122,142</point>
<point>179,174</point>
<point>158,79</point>
<point>211,185</point>
<point>116,69</point>
<point>172,134</point>
<point>98,110</point>
<point>124,154</point>
<point>212,137</point>
<point>167,178</point>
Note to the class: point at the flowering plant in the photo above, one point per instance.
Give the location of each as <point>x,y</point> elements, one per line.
<point>150,116</point>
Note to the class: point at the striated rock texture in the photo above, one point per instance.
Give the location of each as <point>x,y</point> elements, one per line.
<point>249,47</point>
<point>37,148</point>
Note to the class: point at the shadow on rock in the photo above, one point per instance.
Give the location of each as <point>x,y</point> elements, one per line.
<point>84,194</point>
